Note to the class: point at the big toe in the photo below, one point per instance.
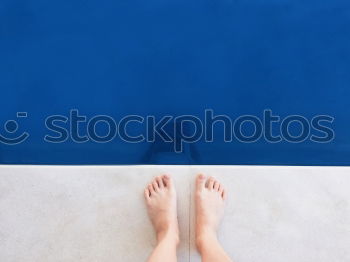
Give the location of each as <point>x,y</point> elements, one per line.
<point>168,181</point>
<point>200,182</point>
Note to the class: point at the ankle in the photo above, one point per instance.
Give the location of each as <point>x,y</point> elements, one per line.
<point>170,234</point>
<point>205,238</point>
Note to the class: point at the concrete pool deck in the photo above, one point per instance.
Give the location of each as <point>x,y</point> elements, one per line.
<point>97,213</point>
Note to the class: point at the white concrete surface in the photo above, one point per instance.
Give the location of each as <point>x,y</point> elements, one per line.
<point>97,214</point>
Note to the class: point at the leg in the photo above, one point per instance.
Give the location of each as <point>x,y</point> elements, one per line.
<point>160,198</point>
<point>210,203</point>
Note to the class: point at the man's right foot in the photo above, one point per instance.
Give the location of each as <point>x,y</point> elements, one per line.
<point>160,198</point>
<point>210,204</point>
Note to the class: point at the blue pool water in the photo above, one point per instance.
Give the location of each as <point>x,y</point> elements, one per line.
<point>173,57</point>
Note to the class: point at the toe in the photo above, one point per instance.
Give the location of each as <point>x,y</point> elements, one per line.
<point>210,183</point>
<point>224,194</point>
<point>200,182</point>
<point>151,189</point>
<point>167,181</point>
<point>160,182</point>
<point>155,185</point>
<point>147,193</point>
<point>216,185</point>
<point>221,189</point>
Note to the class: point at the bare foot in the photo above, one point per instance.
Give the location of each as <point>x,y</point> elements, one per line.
<point>160,198</point>
<point>210,203</point>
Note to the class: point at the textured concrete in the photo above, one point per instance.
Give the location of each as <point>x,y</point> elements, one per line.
<point>97,214</point>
